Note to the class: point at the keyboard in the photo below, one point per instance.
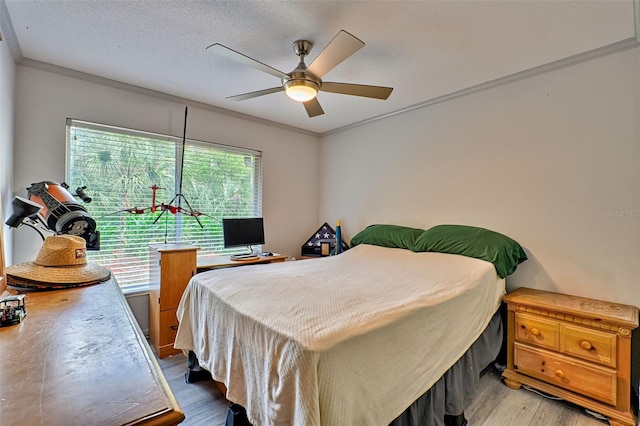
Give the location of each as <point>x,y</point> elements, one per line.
<point>243,256</point>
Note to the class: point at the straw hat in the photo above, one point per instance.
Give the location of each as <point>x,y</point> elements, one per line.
<point>61,263</point>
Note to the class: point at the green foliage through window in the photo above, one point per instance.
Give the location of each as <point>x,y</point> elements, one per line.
<point>119,167</point>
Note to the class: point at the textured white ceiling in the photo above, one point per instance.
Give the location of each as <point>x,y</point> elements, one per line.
<point>424,49</point>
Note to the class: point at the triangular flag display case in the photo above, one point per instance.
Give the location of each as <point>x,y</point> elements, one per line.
<point>322,242</point>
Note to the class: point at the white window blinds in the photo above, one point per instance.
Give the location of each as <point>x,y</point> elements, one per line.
<point>120,167</point>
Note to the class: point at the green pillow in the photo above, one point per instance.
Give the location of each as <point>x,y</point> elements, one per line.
<point>505,253</point>
<point>394,236</point>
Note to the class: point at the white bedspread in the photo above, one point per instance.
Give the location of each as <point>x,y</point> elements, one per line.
<point>352,339</point>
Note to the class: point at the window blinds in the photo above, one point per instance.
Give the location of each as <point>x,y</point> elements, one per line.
<point>120,167</point>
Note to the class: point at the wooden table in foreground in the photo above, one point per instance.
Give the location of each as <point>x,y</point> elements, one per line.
<point>221,261</point>
<point>79,357</point>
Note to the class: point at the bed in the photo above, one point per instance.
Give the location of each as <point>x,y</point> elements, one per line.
<point>358,338</point>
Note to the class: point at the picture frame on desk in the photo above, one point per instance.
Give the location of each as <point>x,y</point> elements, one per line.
<point>325,249</point>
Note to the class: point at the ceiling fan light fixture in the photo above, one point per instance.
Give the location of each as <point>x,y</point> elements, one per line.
<point>301,90</point>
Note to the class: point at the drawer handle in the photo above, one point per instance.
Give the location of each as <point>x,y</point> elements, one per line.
<point>586,345</point>
<point>534,331</point>
<point>174,327</point>
<point>559,374</point>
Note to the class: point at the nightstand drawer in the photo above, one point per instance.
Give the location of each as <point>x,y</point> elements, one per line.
<point>581,377</point>
<point>537,330</point>
<point>593,345</point>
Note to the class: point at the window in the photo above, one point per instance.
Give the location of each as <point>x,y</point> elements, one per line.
<point>120,168</point>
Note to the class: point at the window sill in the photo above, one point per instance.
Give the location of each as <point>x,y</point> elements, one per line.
<point>135,290</point>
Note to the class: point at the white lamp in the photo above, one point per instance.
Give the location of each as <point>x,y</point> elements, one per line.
<point>301,89</point>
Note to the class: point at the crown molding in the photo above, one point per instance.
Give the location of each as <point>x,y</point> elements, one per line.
<point>8,35</point>
<point>541,69</point>
<point>68,72</point>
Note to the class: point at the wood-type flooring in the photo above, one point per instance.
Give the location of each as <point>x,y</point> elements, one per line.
<point>494,404</point>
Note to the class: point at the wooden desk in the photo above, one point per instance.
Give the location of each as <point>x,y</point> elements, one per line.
<point>224,261</point>
<point>79,357</point>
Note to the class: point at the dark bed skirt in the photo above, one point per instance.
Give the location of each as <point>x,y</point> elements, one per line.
<point>442,405</point>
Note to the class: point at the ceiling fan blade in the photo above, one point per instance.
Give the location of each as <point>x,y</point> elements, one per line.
<point>377,92</point>
<point>340,48</point>
<point>243,59</point>
<point>255,94</point>
<point>313,107</point>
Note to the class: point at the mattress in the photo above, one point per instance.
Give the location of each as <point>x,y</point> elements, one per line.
<point>349,339</point>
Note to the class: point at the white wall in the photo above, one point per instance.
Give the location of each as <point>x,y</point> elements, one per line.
<point>45,99</point>
<point>7,105</point>
<point>552,161</point>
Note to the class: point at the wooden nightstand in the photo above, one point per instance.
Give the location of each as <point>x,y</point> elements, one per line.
<point>574,348</point>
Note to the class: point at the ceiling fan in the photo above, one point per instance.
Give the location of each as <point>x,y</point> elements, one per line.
<point>303,83</point>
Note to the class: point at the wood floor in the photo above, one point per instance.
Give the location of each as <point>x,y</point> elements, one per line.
<point>494,404</point>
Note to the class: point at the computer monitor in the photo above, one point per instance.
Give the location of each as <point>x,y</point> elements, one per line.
<point>246,231</point>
